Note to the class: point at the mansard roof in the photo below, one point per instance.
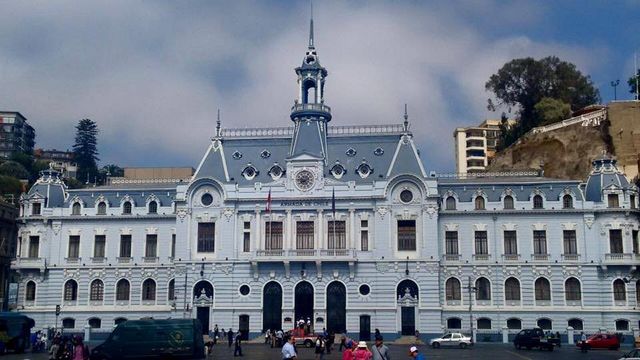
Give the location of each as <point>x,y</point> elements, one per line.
<point>115,193</point>
<point>604,175</point>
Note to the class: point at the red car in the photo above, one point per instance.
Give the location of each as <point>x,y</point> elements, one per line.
<point>602,341</point>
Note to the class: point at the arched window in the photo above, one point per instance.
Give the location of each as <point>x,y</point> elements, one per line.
<point>576,324</point>
<point>508,202</point>
<point>123,290</point>
<point>484,324</point>
<point>542,289</point>
<point>68,323</point>
<point>567,202</point>
<point>126,208</point>
<point>171,294</point>
<point>70,290</point>
<point>95,323</point>
<point>453,289</point>
<point>622,325</point>
<point>483,289</point>
<point>102,208</point>
<point>512,289</point>
<point>97,290</point>
<point>149,290</point>
<point>514,324</point>
<point>572,291</point>
<point>538,203</point>
<point>450,203</point>
<point>76,208</point>
<point>544,324</point>
<point>479,203</point>
<point>30,294</point>
<point>153,207</point>
<point>619,290</point>
<point>454,323</point>
<point>119,321</point>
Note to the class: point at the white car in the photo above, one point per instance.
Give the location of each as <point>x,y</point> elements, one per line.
<point>631,355</point>
<point>451,339</point>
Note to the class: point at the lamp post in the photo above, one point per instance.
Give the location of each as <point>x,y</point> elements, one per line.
<point>615,84</point>
<point>406,270</point>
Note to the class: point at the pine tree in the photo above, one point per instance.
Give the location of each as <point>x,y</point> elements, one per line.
<point>85,150</point>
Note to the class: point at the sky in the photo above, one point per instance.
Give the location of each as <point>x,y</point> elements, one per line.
<point>152,74</point>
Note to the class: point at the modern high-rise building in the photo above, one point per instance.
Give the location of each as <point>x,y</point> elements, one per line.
<point>16,135</point>
<point>475,146</point>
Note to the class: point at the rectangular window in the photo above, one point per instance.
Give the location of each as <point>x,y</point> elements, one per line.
<point>451,242</point>
<point>615,241</point>
<point>613,200</point>
<point>273,235</point>
<point>636,244</point>
<point>632,201</point>
<point>406,235</point>
<point>99,245</point>
<point>570,243</point>
<point>206,237</point>
<point>482,245</point>
<point>74,247</point>
<point>510,242</point>
<point>151,248</point>
<point>540,242</point>
<point>34,246</point>
<point>337,235</point>
<point>173,245</point>
<point>364,235</point>
<point>36,208</point>
<point>125,246</point>
<point>304,234</point>
<point>246,237</point>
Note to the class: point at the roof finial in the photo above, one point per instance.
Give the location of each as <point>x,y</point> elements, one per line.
<point>218,125</point>
<point>311,46</point>
<point>406,119</point>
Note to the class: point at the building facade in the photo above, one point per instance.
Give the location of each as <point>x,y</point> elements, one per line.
<point>16,135</point>
<point>475,146</point>
<point>338,224</point>
<point>61,161</point>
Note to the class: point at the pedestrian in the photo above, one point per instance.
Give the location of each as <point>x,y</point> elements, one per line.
<point>320,345</point>
<point>53,351</point>
<point>216,334</point>
<point>583,342</point>
<point>343,341</point>
<point>267,336</point>
<point>380,350</point>
<point>347,354</point>
<point>377,332</point>
<point>288,351</point>
<point>237,351</point>
<point>230,336</point>
<point>329,342</point>
<point>79,352</point>
<point>558,337</point>
<point>414,354</point>
<point>362,352</point>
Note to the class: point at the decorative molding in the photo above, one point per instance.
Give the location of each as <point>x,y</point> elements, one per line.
<point>382,211</point>
<point>100,231</point>
<point>480,227</point>
<point>151,230</point>
<point>511,270</point>
<point>569,226</point>
<point>430,210</point>
<point>451,227</point>
<point>509,226</point>
<point>228,213</point>
<point>539,227</point>
<point>382,267</point>
<point>182,214</point>
<point>541,270</point>
<point>575,271</point>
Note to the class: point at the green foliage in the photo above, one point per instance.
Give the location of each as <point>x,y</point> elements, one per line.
<point>73,183</point>
<point>632,82</point>
<point>522,83</point>
<point>550,110</point>
<point>14,169</point>
<point>86,149</point>
<point>10,185</point>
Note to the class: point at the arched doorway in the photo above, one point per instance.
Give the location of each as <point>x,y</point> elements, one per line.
<point>336,308</point>
<point>303,301</point>
<point>202,302</point>
<point>272,306</point>
<point>407,292</point>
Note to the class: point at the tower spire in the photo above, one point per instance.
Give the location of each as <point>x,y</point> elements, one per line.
<point>311,45</point>
<point>218,125</point>
<point>406,119</point>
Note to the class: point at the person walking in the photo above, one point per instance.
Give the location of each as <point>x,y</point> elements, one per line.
<point>288,351</point>
<point>583,342</point>
<point>230,336</point>
<point>347,354</point>
<point>237,351</point>
<point>415,354</point>
<point>362,352</point>
<point>79,352</point>
<point>343,342</point>
<point>320,347</point>
<point>380,350</point>
<point>267,336</point>
<point>216,333</point>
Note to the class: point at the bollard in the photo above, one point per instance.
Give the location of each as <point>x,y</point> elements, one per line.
<point>474,336</point>
<point>570,335</point>
<point>87,333</point>
<point>505,335</point>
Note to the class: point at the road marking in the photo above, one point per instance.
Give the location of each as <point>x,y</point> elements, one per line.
<point>518,355</point>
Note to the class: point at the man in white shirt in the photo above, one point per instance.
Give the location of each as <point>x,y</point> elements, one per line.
<point>288,351</point>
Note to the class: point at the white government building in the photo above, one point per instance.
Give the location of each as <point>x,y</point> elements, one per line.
<point>396,252</point>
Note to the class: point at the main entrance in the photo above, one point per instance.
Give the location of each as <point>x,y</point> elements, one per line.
<point>365,328</point>
<point>203,301</point>
<point>304,301</point>
<point>336,308</point>
<point>244,327</point>
<point>272,306</point>
<point>408,320</point>
<point>407,292</point>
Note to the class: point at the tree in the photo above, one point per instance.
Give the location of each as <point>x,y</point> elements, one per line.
<point>523,83</point>
<point>9,185</point>
<point>85,150</point>
<point>14,169</point>
<point>632,82</point>
<point>551,110</point>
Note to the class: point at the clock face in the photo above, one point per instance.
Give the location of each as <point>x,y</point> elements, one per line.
<point>304,180</point>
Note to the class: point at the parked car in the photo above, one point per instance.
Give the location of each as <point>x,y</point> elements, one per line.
<point>153,339</point>
<point>304,339</point>
<point>532,338</point>
<point>631,355</point>
<point>602,341</point>
<point>451,339</point>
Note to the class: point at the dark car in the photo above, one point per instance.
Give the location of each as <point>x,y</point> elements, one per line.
<point>532,338</point>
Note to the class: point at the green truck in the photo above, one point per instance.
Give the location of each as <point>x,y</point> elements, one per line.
<point>153,339</point>
<point>15,330</point>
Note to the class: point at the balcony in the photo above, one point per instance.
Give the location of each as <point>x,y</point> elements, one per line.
<point>571,257</point>
<point>150,259</point>
<point>451,257</point>
<point>481,257</point>
<point>307,254</point>
<point>73,260</point>
<point>99,260</point>
<point>618,258</point>
<point>310,109</point>
<point>34,263</point>
<point>124,260</point>
<point>511,257</point>
<point>540,257</point>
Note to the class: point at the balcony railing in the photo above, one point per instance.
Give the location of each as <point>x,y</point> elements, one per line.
<point>540,257</point>
<point>481,257</point>
<point>310,107</point>
<point>307,253</point>
<point>73,260</point>
<point>618,257</point>
<point>451,257</point>
<point>510,257</point>
<point>29,263</point>
<point>124,260</point>
<point>570,257</point>
<point>150,259</point>
<point>98,259</point>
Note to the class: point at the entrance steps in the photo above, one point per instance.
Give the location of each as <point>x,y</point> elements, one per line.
<point>408,340</point>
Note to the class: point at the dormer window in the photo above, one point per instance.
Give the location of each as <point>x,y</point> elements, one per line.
<point>338,171</point>
<point>102,208</point>
<point>237,155</point>
<point>76,208</point>
<point>567,202</point>
<point>479,202</point>
<point>538,202</point>
<point>351,152</point>
<point>508,202</point>
<point>364,170</point>
<point>378,151</point>
<point>265,154</point>
<point>36,209</point>
<point>249,172</point>
<point>613,200</point>
<point>153,207</point>
<point>450,203</point>
<point>126,208</point>
<point>276,171</point>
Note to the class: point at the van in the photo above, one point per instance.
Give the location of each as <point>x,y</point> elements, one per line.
<point>153,339</point>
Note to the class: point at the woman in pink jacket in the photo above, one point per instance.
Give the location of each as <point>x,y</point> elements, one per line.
<point>362,352</point>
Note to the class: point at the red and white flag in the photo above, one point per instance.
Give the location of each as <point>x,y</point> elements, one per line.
<point>269,201</point>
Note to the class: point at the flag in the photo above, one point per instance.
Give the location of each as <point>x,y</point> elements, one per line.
<point>269,201</point>
<point>333,203</point>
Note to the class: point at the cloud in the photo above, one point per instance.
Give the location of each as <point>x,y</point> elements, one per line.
<point>152,74</point>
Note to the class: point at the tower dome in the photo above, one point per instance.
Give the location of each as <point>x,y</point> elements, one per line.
<point>604,174</point>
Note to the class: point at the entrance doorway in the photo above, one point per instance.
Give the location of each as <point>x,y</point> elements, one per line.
<point>336,308</point>
<point>365,328</point>
<point>408,319</point>
<point>407,295</point>
<point>202,314</point>
<point>243,326</point>
<point>203,301</point>
<point>304,301</point>
<point>272,307</point>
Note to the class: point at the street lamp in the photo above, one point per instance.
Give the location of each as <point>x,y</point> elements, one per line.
<point>406,270</point>
<point>615,84</point>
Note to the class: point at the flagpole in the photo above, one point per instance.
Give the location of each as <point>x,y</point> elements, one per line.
<point>635,62</point>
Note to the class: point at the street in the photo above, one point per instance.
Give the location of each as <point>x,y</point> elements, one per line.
<point>482,351</point>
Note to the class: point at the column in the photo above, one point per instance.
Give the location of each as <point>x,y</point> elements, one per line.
<point>352,230</point>
<point>258,234</point>
<point>300,89</point>
<point>319,240</point>
<point>317,90</point>
<point>287,242</point>
<point>505,335</point>
<point>570,335</point>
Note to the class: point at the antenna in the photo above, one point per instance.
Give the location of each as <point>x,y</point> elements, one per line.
<point>218,125</point>
<point>406,119</point>
<point>311,45</point>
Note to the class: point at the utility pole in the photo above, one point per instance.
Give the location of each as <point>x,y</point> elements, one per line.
<point>615,84</point>
<point>472,290</point>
